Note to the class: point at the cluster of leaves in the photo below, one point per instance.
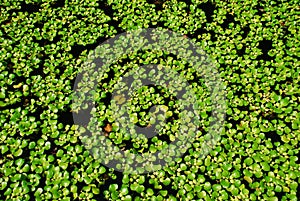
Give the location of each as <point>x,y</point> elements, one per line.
<point>256,49</point>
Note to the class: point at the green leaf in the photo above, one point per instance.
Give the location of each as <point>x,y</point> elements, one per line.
<point>7,171</point>
<point>113,187</point>
<point>124,190</point>
<point>128,198</point>
<point>166,181</point>
<point>248,161</point>
<point>63,165</point>
<point>18,152</point>
<point>188,187</point>
<point>73,189</point>
<point>3,185</point>
<point>4,149</point>
<point>59,153</point>
<point>284,102</point>
<point>2,94</point>
<point>2,104</point>
<point>150,192</point>
<point>7,192</point>
<point>248,179</point>
<point>47,145</point>
<point>95,190</point>
<point>265,166</point>
<point>19,162</point>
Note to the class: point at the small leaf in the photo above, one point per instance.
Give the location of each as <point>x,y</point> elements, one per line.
<point>4,149</point>
<point>248,179</point>
<point>2,94</point>
<point>150,192</point>
<point>113,187</point>
<point>19,162</point>
<point>18,152</point>
<point>95,190</point>
<point>17,86</point>
<point>265,166</point>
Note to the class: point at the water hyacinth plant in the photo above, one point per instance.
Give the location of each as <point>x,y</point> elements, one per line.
<point>254,46</point>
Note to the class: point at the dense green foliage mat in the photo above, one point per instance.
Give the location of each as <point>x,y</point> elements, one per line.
<point>255,46</point>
